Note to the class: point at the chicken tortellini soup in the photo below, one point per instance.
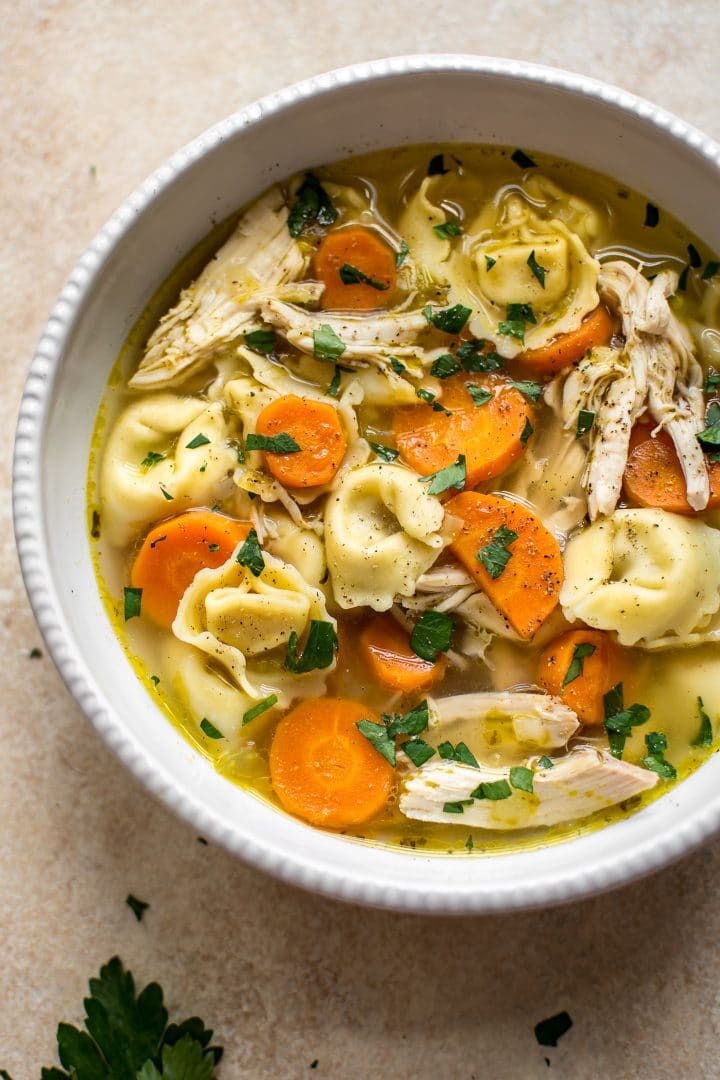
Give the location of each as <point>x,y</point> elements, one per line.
<point>404,495</point>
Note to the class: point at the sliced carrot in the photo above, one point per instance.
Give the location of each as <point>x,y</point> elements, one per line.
<point>174,551</point>
<point>526,590</point>
<point>315,426</point>
<point>490,435</point>
<point>653,476</point>
<point>363,250</point>
<point>385,647</point>
<point>596,329</point>
<point>601,670</point>
<point>321,767</point>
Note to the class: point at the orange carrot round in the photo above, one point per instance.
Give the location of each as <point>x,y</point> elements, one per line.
<point>526,589</point>
<point>174,551</point>
<point>363,250</point>
<point>321,767</point>
<point>600,671</point>
<point>596,329</point>
<point>385,647</point>
<point>315,426</point>
<point>653,476</point>
<point>489,435</point>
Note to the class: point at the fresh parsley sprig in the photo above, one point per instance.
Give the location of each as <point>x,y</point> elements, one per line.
<point>312,207</point>
<point>495,554</point>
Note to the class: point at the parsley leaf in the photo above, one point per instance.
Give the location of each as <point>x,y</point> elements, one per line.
<point>526,432</point>
<point>151,458</point>
<point>184,1060</point>
<point>199,440</point>
<point>705,735</point>
<point>397,367</point>
<point>139,907</point>
<point>272,444</point>
<point>333,388</point>
<point>451,319</point>
<point>709,438</point>
<point>522,778</point>
<point>250,555</point>
<point>538,270</point>
<point>166,494</point>
<point>712,382</point>
<point>710,270</point>
<point>517,316</point>
<point>312,206</point>
<point>496,790</point>
<point>489,262</point>
<point>469,843</point>
<point>656,744</point>
<point>210,730</point>
<point>473,359</point>
<point>547,1032</point>
<point>575,668</point>
<point>445,366</point>
<point>261,341</point>
<point>585,422</point>
<point>412,723</point>
<point>431,634</point>
<point>495,555</point>
<point>401,254</point>
<point>418,751</point>
<point>429,397</point>
<point>132,599</point>
<point>452,476</point>
<point>447,230</point>
<point>436,166</point>
<point>456,807</point>
<point>531,390</point>
<point>387,453</point>
<point>620,721</point>
<point>326,344</point>
<point>377,735</point>
<point>319,651</point>
<point>652,215</point>
<point>481,396</point>
<point>461,753</point>
<point>545,762</point>
<point>352,275</point>
<point>260,708</point>
<point>522,160</point>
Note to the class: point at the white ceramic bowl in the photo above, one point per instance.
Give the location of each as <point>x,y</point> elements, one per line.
<point>366,107</point>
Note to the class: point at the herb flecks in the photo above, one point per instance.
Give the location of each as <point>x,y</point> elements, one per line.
<point>450,320</point>
<point>585,421</point>
<point>259,709</point>
<point>575,667</point>
<point>517,318</point>
<point>312,207</point>
<point>319,651</point>
<point>210,730</point>
<point>327,345</point>
<point>448,230</point>
<point>261,341</point>
<point>538,270</point>
<point>272,444</point>
<point>377,735</point>
<point>495,554</point>
<point>619,721</point>
<point>452,476</point>
<point>704,736</point>
<point>432,634</point>
<point>250,555</point>
<point>132,602</point>
<point>352,275</point>
<point>656,744</point>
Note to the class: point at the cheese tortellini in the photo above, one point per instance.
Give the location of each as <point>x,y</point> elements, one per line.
<point>644,574</point>
<point>382,531</point>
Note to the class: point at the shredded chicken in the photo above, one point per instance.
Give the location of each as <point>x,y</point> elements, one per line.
<point>537,720</point>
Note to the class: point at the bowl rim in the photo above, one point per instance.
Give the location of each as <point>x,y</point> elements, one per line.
<point>29,514</point>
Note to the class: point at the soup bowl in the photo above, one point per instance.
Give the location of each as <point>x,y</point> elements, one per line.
<point>405,100</point>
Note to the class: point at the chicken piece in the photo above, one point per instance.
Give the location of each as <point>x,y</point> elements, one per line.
<point>577,785</point>
<point>259,258</point>
<point>537,720</point>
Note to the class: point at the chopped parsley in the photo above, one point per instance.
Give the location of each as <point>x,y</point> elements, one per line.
<point>545,762</point>
<point>352,275</point>
<point>210,730</point>
<point>473,359</point>
<point>495,790</point>
<point>489,262</point>
<point>522,160</point>
<point>138,907</point>
<point>377,735</point>
<point>547,1032</point>
<point>132,602</point>
<point>166,494</point>
<point>654,760</point>
<point>319,651</point>
<point>451,320</point>
<point>312,206</point>
<point>620,721</point>
<point>538,270</point>
<point>705,734</point>
<point>517,317</point>
<point>526,432</point>
<point>260,708</point>
<point>495,555</point>
<point>456,807</point>
<point>326,344</point>
<point>585,421</point>
<point>683,279</point>
<point>333,388</point>
<point>447,230</point>
<point>95,526</point>
<point>575,668</point>
<point>418,751</point>
<point>436,166</point>
<point>213,547</point>
<point>694,256</point>
<point>199,440</point>
<point>712,382</point>
<point>155,680</point>
<point>445,366</point>
<point>261,341</point>
<point>710,270</point>
<point>709,438</point>
<point>521,778</point>
<point>412,723</point>
<point>429,397</point>
<point>652,215</point>
<point>531,390</point>
<point>250,554</point>
<point>151,458</point>
<point>272,444</point>
<point>481,396</point>
<point>431,634</point>
<point>452,476</point>
<point>387,453</point>
<point>460,753</point>
<point>469,843</point>
<point>401,254</point>
<point>397,367</point>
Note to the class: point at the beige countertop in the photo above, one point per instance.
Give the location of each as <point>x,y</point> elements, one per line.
<point>94,95</point>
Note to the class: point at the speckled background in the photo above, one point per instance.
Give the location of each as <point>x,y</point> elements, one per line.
<point>93,96</point>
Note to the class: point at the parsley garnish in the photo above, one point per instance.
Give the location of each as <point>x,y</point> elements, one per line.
<point>538,270</point>
<point>213,547</point>
<point>452,476</point>
<point>683,279</point>
<point>495,790</point>
<point>429,397</point>
<point>712,382</point>
<point>210,730</point>
<point>522,160</point>
<point>155,680</point>
<point>431,634</point>
<point>495,555</point>
<point>387,453</point>
<point>326,344</point>
<point>451,319</point>
<point>436,166</point>
<point>456,807</point>
<point>585,422</point>
<point>526,432</point>
<point>412,723</point>
<point>418,751</point>
<point>481,396</point>
<point>531,390</point>
<point>128,1036</point>
<point>547,1032</point>
<point>401,254</point>
<point>575,668</point>
<point>319,651</point>
<point>261,341</point>
<point>705,734</point>
<point>460,753</point>
<point>517,316</point>
<point>151,458</point>
<point>710,270</point>
<point>166,494</point>
<point>447,230</point>
<point>377,735</point>
<point>250,555</point>
<point>312,206</point>
<point>474,359</point>
<point>445,366</point>
<point>95,526</point>
<point>489,262</point>
<point>397,367</point>
<point>521,778</point>
<point>333,388</point>
<point>709,438</point>
<point>139,907</point>
<point>351,275</point>
<point>272,444</point>
<point>654,760</point>
<point>469,843</point>
<point>545,762</point>
<point>652,215</point>
<point>199,440</point>
<point>132,599</point>
<point>620,721</point>
<point>260,708</point>
<point>694,256</point>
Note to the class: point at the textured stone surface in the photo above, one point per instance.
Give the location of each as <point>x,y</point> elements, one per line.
<point>94,95</point>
